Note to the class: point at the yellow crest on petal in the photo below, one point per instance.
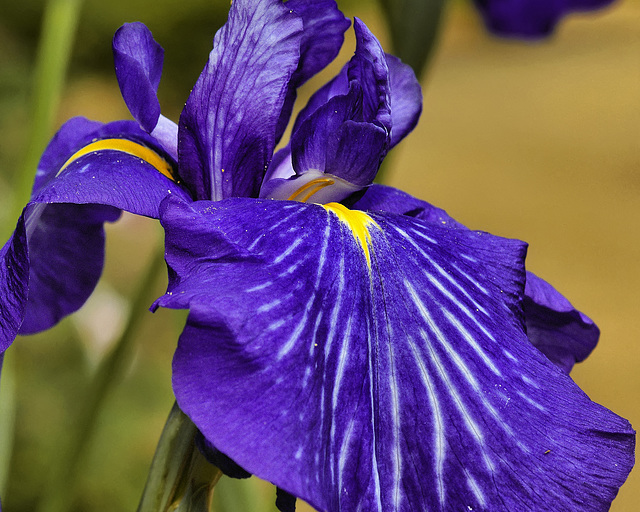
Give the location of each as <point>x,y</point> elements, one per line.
<point>130,148</point>
<point>358,222</point>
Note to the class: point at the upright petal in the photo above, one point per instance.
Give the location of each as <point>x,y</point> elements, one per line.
<point>227,129</point>
<point>138,62</point>
<point>530,18</point>
<point>376,362</point>
<point>345,138</point>
<point>324,26</point>
<point>405,98</point>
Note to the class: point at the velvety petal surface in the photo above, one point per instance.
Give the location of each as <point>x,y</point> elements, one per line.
<point>138,62</point>
<point>14,277</point>
<point>377,362</point>
<point>66,256</point>
<point>324,26</point>
<point>348,136</point>
<point>227,130</point>
<point>561,332</point>
<point>114,164</point>
<point>530,18</point>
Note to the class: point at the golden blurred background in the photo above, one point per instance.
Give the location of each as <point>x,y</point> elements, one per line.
<point>536,141</point>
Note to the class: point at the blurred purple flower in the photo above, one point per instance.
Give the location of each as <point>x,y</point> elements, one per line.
<point>530,19</point>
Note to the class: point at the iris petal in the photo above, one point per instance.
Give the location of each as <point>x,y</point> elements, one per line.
<point>400,382</point>
<point>530,18</point>
<point>405,97</point>
<point>14,276</point>
<point>88,172</point>
<point>138,62</point>
<point>129,171</point>
<point>227,129</point>
<point>322,37</point>
<point>561,332</point>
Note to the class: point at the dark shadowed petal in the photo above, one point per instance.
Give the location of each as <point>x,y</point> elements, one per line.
<point>14,279</point>
<point>561,332</point>
<point>323,35</point>
<point>138,62</point>
<point>555,327</point>
<point>406,99</point>
<point>228,126</point>
<point>376,362</point>
<point>335,140</point>
<point>530,18</point>
<point>66,256</point>
<point>381,198</point>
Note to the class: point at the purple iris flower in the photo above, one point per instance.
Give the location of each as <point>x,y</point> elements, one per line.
<point>530,18</point>
<point>350,343</point>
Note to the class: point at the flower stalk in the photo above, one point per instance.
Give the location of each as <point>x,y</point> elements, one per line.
<point>60,493</point>
<point>180,478</point>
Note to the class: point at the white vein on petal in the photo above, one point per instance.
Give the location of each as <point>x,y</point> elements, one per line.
<point>458,286</point>
<point>471,279</point>
<point>438,430</point>
<point>472,426</point>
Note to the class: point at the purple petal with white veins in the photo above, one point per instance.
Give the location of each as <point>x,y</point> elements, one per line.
<point>561,332</point>
<point>530,18</point>
<point>138,62</point>
<point>14,278</point>
<point>227,129</point>
<point>377,362</point>
<point>323,35</point>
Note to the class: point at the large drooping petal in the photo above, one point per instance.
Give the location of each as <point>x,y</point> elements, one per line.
<point>561,332</point>
<point>87,174</point>
<point>227,129</point>
<point>377,362</point>
<point>138,62</point>
<point>530,18</point>
<point>324,26</point>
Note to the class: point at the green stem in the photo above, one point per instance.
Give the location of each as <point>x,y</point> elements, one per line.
<point>180,479</point>
<point>7,416</point>
<point>60,494</point>
<point>59,24</point>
